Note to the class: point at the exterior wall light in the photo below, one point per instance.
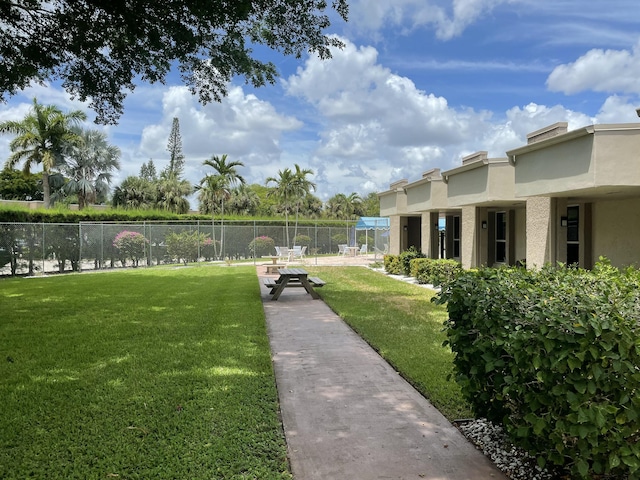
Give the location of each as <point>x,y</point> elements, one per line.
<point>563,221</point>
<point>484,224</point>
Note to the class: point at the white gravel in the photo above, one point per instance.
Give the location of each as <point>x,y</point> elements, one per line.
<point>513,461</point>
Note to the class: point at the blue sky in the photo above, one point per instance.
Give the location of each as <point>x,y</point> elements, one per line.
<point>419,85</point>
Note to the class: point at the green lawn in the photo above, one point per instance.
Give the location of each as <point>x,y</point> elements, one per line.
<point>166,372</point>
<point>402,324</point>
<point>149,373</point>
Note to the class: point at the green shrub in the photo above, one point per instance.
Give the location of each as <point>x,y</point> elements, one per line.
<point>554,356</point>
<point>392,264</point>
<point>407,256</point>
<point>418,266</point>
<point>302,240</point>
<point>436,272</point>
<point>262,246</point>
<point>185,246</point>
<point>339,239</point>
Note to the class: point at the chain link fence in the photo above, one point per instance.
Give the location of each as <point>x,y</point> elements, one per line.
<point>44,248</point>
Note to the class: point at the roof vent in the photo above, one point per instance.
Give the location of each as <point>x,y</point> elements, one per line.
<point>547,132</point>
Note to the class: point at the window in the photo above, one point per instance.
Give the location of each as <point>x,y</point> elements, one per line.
<point>573,235</point>
<point>456,237</point>
<point>501,237</point>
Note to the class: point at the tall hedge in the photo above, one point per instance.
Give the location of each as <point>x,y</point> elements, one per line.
<point>554,355</point>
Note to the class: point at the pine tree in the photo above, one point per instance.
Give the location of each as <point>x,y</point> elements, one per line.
<point>174,146</point>
<point>148,171</point>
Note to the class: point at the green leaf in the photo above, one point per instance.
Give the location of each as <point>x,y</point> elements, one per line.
<point>599,419</point>
<point>539,426</point>
<point>537,362</point>
<point>574,363</point>
<point>614,461</point>
<point>582,466</point>
<point>542,462</point>
<point>631,461</point>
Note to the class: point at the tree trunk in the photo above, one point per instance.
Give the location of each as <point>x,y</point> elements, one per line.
<point>46,189</point>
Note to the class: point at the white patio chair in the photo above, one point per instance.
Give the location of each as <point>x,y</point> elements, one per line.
<point>342,250</point>
<point>363,249</point>
<point>285,253</point>
<point>298,252</point>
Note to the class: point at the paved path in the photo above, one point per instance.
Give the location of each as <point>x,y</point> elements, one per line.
<point>347,414</point>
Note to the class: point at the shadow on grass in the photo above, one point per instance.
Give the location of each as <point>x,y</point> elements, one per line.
<point>138,374</point>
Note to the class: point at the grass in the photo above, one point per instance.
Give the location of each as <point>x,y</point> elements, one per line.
<point>166,372</point>
<point>401,323</point>
<point>150,373</point>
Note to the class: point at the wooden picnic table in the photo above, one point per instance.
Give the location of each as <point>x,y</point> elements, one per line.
<point>274,258</point>
<point>293,277</point>
<point>273,267</point>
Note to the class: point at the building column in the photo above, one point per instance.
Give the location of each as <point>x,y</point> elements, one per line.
<point>395,234</point>
<point>468,238</point>
<point>541,231</point>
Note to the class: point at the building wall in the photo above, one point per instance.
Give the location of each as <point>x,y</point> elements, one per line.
<point>616,231</point>
<point>616,154</point>
<point>468,187</point>
<point>558,168</point>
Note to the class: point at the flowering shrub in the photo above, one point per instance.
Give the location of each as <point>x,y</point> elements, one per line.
<point>209,250</point>
<point>262,245</point>
<point>130,245</point>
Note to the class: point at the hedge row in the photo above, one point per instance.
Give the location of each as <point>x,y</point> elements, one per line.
<point>425,270</point>
<point>436,272</point>
<point>553,355</point>
<point>10,214</point>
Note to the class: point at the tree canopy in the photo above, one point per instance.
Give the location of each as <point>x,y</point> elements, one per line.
<point>99,49</point>
<point>40,138</point>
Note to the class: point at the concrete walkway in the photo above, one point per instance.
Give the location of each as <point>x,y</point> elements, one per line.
<point>347,414</point>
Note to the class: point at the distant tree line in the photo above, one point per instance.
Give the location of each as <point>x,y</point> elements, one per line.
<point>78,165</point>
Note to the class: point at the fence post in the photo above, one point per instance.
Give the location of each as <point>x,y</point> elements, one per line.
<point>80,247</point>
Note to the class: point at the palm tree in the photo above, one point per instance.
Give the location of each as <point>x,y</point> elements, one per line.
<point>228,177</point>
<point>172,194</point>
<point>134,193</point>
<point>40,139</point>
<point>284,190</point>
<point>210,190</point>
<point>301,188</point>
<point>89,166</point>
<point>343,206</point>
<point>243,201</point>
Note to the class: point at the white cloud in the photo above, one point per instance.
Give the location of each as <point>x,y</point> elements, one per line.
<point>611,71</point>
<point>375,123</point>
<point>242,126</point>
<point>448,18</point>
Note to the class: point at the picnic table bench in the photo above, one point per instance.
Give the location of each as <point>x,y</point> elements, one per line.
<point>293,277</point>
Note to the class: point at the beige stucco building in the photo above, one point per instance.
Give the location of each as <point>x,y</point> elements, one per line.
<point>566,197</point>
